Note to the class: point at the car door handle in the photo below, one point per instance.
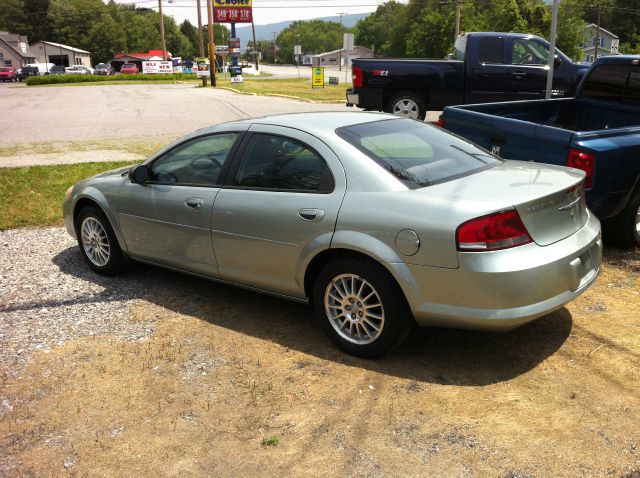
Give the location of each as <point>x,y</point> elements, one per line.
<point>519,74</point>
<point>193,203</point>
<point>311,215</point>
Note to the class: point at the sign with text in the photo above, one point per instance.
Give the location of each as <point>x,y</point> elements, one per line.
<point>232,11</point>
<point>317,76</point>
<point>201,66</point>
<point>157,67</point>
<point>234,45</point>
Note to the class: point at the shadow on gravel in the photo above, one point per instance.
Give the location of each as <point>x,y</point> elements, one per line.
<point>444,356</point>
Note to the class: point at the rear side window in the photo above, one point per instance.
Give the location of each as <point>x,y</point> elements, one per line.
<point>613,83</point>
<point>416,153</point>
<point>490,50</point>
<point>283,164</point>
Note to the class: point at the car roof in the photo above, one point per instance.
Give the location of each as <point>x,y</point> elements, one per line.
<point>318,123</point>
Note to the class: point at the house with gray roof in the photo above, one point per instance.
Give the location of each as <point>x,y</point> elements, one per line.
<point>608,43</point>
<point>14,50</point>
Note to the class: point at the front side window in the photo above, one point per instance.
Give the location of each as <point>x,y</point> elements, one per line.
<point>418,154</point>
<point>528,52</point>
<point>277,162</point>
<point>196,162</point>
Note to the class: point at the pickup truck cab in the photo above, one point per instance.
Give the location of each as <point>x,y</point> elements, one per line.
<point>598,131</point>
<point>486,67</point>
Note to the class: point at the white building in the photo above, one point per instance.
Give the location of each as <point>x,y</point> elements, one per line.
<point>608,43</point>
<point>59,54</point>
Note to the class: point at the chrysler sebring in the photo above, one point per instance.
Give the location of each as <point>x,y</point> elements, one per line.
<point>378,222</point>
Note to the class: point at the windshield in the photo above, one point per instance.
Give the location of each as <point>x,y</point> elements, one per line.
<point>416,153</point>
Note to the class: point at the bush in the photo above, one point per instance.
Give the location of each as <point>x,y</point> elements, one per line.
<point>60,79</point>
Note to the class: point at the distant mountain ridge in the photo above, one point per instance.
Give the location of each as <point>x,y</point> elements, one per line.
<point>265,32</point>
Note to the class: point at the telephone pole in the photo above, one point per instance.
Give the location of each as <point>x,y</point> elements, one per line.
<point>595,53</point>
<point>164,47</point>
<point>212,46</point>
<point>200,38</point>
<point>341,33</point>
<point>458,3</point>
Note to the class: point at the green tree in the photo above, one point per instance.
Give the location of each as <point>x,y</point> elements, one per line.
<point>315,36</point>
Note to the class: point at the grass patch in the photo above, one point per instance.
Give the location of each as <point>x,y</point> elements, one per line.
<point>300,88</point>
<point>143,145</point>
<point>33,196</point>
<point>271,441</point>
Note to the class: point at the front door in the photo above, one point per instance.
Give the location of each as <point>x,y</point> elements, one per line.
<point>168,219</point>
<point>278,208</point>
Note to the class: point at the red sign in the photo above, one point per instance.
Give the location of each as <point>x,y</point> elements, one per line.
<point>231,14</point>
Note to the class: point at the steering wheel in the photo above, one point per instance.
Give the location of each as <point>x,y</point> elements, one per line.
<point>527,59</point>
<point>204,157</point>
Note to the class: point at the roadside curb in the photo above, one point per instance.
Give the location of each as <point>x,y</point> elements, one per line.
<point>290,97</point>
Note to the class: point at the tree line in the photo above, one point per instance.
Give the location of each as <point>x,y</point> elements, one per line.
<point>104,29</point>
<point>419,28</point>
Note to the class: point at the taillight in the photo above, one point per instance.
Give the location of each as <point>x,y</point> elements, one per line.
<point>357,76</point>
<point>440,122</point>
<point>584,161</point>
<point>501,230</point>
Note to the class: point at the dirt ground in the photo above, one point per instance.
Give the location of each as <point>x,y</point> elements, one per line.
<point>232,383</point>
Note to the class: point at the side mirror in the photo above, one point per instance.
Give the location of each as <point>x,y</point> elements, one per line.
<point>140,174</point>
<point>557,61</point>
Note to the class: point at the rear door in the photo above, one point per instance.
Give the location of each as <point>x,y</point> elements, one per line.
<point>487,74</point>
<point>278,208</point>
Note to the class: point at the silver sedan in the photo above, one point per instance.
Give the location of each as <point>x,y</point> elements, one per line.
<point>378,221</point>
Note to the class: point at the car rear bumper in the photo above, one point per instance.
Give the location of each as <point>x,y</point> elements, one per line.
<point>502,290</point>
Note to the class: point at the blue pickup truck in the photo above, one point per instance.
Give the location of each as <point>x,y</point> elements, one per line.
<point>486,67</point>
<point>598,131</point>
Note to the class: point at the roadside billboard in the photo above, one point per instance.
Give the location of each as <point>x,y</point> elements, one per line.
<point>202,67</point>
<point>157,67</point>
<point>232,11</point>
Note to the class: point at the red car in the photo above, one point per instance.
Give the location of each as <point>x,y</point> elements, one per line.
<point>129,69</point>
<point>8,73</point>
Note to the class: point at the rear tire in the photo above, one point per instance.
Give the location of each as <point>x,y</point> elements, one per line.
<point>98,242</point>
<point>407,104</point>
<point>361,308</point>
<point>625,227</point>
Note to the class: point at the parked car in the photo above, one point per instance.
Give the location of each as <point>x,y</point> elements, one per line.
<point>8,73</point>
<point>27,71</point>
<point>57,70</point>
<point>129,69</point>
<point>79,70</point>
<point>487,67</point>
<point>103,69</point>
<point>375,220</point>
<point>598,131</point>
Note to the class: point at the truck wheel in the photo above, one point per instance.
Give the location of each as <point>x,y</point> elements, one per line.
<point>407,104</point>
<point>625,227</point>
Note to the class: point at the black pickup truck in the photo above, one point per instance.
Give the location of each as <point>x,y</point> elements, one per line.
<point>486,67</point>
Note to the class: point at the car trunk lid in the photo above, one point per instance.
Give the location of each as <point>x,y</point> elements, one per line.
<point>549,199</point>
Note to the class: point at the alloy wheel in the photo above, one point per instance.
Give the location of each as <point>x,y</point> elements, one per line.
<point>95,242</point>
<point>354,309</point>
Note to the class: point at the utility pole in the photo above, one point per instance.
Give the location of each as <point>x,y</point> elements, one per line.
<point>458,3</point>
<point>212,46</point>
<point>595,54</point>
<point>200,38</point>
<point>164,47</point>
<point>275,48</point>
<point>341,33</point>
<point>255,46</point>
<point>552,49</point>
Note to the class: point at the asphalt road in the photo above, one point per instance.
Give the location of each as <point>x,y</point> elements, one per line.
<point>40,114</point>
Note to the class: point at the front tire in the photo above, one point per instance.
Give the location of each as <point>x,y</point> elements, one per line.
<point>361,308</point>
<point>407,104</point>
<point>98,242</point>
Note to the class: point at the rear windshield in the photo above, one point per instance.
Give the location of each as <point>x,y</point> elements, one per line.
<point>613,82</point>
<point>416,153</point>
